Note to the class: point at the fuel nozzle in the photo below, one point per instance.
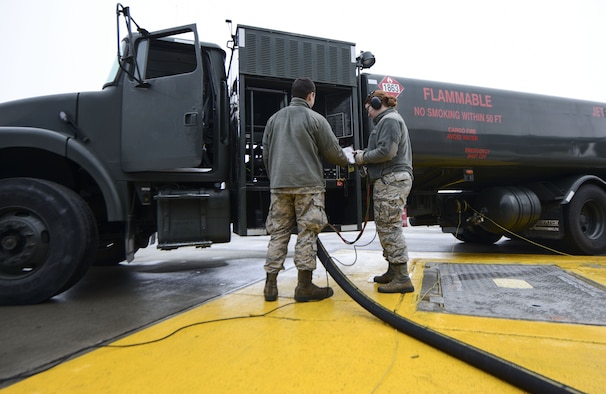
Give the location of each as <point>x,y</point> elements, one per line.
<point>476,219</point>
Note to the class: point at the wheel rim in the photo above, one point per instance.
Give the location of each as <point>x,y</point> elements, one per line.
<point>591,220</point>
<point>24,244</point>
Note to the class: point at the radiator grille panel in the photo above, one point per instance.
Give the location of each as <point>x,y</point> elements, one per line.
<point>276,54</point>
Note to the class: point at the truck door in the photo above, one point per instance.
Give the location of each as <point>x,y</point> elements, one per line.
<point>162,113</point>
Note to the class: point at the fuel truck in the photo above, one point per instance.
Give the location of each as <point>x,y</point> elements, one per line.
<point>169,150</point>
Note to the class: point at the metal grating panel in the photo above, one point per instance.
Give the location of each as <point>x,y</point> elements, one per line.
<point>337,123</point>
<point>513,291</point>
<point>282,55</point>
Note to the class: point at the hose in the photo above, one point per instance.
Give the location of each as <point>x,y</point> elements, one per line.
<point>507,371</point>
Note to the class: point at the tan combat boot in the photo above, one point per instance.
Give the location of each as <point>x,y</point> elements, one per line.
<point>386,277</point>
<point>307,291</point>
<point>400,283</point>
<point>271,287</point>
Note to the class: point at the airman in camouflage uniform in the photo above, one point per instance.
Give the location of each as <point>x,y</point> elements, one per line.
<point>303,207</point>
<point>388,162</point>
<point>295,140</point>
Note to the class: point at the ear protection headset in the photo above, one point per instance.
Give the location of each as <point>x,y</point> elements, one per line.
<point>375,102</point>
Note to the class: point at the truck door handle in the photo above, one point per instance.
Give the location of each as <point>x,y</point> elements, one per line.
<point>191,119</point>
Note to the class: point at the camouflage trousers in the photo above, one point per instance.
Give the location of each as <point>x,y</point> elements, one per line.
<point>389,194</point>
<point>287,210</point>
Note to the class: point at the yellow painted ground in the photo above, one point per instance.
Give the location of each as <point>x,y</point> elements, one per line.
<point>241,344</point>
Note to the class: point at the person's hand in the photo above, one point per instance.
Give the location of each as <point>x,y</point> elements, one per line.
<point>359,157</point>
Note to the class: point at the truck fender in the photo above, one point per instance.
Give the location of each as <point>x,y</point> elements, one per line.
<point>67,146</point>
<point>571,185</point>
<point>30,137</point>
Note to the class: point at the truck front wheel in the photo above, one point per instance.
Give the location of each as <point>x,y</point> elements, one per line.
<point>585,223</point>
<point>47,240</point>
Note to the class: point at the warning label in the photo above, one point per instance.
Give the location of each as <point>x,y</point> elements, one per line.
<point>391,86</point>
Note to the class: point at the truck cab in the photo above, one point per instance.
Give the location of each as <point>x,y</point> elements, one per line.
<point>148,155</point>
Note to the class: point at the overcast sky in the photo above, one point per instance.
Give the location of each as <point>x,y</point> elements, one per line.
<point>551,47</point>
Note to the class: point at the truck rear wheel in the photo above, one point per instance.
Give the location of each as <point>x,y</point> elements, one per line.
<point>585,223</point>
<point>47,240</point>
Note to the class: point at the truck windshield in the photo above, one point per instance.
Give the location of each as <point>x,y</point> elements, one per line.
<point>113,74</point>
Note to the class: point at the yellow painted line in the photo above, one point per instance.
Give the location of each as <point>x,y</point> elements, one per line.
<point>240,343</point>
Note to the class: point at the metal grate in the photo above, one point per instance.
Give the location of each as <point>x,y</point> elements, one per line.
<point>513,291</point>
<point>337,123</point>
<point>277,54</point>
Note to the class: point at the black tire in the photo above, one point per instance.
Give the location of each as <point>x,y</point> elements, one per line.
<point>585,221</point>
<point>90,237</point>
<point>477,235</point>
<point>47,237</point>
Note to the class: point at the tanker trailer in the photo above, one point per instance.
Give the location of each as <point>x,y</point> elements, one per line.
<point>491,163</point>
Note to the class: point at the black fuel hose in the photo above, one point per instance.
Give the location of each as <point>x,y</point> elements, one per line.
<point>507,371</point>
